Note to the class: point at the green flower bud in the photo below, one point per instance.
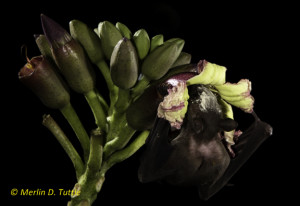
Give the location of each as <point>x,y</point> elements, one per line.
<point>124,64</point>
<point>142,43</point>
<point>158,62</point>
<point>96,31</point>
<point>44,46</point>
<point>156,41</point>
<point>184,58</point>
<point>88,39</point>
<point>69,57</point>
<point>40,76</point>
<point>109,36</point>
<point>124,30</point>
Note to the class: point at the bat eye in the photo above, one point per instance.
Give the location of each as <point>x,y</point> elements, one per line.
<point>228,124</point>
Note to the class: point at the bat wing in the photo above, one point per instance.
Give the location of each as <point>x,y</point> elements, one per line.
<point>156,155</point>
<point>247,143</point>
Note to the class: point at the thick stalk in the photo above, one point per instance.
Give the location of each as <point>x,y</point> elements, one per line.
<point>73,119</point>
<point>90,185</point>
<point>49,122</point>
<point>91,181</point>
<point>97,109</point>
<point>96,151</point>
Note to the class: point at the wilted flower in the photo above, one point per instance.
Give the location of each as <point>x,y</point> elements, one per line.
<point>40,76</point>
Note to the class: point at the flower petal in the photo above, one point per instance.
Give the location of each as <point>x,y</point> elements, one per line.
<point>209,73</point>
<point>237,94</point>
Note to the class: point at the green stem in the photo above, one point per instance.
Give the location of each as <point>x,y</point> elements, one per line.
<point>106,74</point>
<point>123,100</point>
<point>98,111</point>
<point>73,119</point>
<point>140,87</point>
<point>119,141</point>
<point>102,100</point>
<point>95,157</point>
<point>49,122</point>
<point>91,183</point>
<point>125,153</point>
<point>89,188</point>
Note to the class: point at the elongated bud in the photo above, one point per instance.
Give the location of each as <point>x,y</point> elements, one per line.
<point>124,64</point>
<point>96,31</point>
<point>44,46</point>
<point>109,36</point>
<point>184,58</point>
<point>156,41</point>
<point>56,35</point>
<point>39,75</point>
<point>69,57</point>
<point>158,62</point>
<point>124,30</point>
<point>88,39</point>
<point>142,43</point>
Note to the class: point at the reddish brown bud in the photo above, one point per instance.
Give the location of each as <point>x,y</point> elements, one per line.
<point>40,76</point>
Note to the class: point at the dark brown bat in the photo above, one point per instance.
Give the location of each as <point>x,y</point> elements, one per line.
<point>195,155</point>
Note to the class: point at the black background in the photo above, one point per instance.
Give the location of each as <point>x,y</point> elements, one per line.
<point>249,39</point>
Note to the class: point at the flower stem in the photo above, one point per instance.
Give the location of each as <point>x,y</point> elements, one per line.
<point>102,101</point>
<point>96,150</point>
<point>97,109</point>
<point>125,153</point>
<point>123,100</point>
<point>49,122</point>
<point>140,87</point>
<point>120,134</point>
<point>73,119</point>
<point>91,181</point>
<point>106,74</point>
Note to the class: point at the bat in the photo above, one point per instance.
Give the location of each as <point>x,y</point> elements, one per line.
<point>195,155</point>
